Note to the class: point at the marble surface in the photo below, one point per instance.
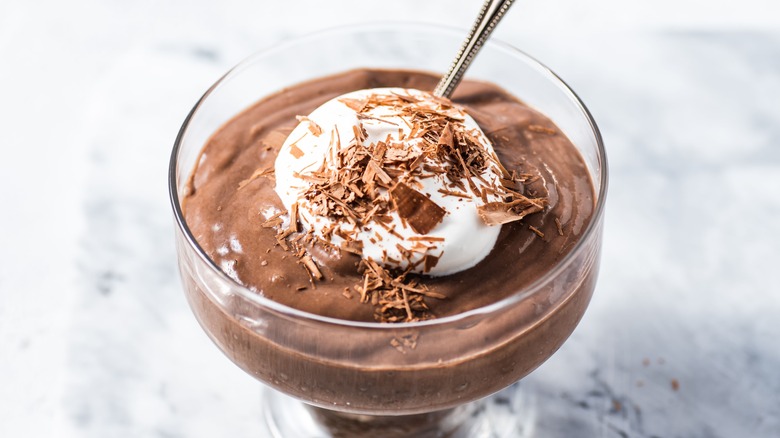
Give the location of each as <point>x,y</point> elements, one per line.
<point>682,338</point>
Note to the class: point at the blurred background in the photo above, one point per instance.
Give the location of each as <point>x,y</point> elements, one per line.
<point>96,339</point>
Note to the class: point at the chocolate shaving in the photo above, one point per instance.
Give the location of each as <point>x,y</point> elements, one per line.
<point>536,231</point>
<point>257,174</point>
<point>313,127</point>
<point>504,172</point>
<point>541,129</point>
<point>310,266</point>
<point>366,117</point>
<point>559,226</point>
<point>430,262</point>
<point>378,172</point>
<point>295,151</point>
<point>499,213</point>
<point>293,226</point>
<point>418,210</point>
<point>496,213</point>
<point>274,220</point>
<point>401,154</point>
<point>280,239</point>
<point>356,105</point>
<point>426,238</point>
<point>453,193</point>
<point>447,138</point>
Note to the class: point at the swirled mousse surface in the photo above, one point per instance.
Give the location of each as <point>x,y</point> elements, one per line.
<point>231,197</point>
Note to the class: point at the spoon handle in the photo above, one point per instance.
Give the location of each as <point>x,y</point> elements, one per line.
<point>491,13</point>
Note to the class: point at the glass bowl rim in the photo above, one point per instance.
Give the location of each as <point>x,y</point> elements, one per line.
<point>418,28</point>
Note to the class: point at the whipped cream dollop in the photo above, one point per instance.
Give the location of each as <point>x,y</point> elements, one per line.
<point>395,175</point>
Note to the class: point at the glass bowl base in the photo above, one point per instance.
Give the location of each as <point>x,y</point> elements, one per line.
<point>507,414</point>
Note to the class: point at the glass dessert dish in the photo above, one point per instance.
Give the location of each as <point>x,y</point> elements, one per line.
<point>423,379</point>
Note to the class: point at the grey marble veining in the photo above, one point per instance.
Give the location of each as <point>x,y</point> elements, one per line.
<point>682,338</point>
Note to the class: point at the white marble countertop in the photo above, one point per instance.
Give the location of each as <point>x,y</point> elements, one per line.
<point>682,338</point>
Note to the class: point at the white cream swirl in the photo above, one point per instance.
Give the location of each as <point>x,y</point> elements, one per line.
<point>459,241</point>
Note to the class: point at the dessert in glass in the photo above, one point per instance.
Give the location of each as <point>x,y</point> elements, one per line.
<point>335,264</point>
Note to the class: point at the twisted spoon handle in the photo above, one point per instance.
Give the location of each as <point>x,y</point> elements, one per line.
<point>491,13</point>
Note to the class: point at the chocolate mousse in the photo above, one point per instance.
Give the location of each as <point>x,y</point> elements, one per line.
<point>235,214</point>
<point>232,189</point>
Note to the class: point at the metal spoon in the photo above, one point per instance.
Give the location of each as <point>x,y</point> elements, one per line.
<point>492,12</point>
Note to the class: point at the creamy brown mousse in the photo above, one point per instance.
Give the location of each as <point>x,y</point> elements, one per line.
<point>229,225</point>
<point>227,222</point>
